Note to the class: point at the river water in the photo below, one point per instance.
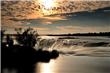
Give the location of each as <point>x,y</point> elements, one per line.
<point>75,64</point>
<point>78,55</point>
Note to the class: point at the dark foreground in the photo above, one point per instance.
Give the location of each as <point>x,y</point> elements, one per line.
<point>24,58</point>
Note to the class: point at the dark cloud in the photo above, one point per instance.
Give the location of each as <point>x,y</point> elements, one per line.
<point>18,9</point>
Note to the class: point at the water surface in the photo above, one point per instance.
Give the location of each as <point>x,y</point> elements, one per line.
<point>75,64</point>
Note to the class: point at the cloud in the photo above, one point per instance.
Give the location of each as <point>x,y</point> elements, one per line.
<point>45,22</point>
<point>5,21</point>
<point>20,9</point>
<point>79,29</point>
<point>55,18</point>
<point>16,14</point>
<point>70,6</point>
<point>40,28</point>
<point>33,9</point>
<point>51,19</point>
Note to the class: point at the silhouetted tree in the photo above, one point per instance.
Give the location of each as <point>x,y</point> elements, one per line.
<point>2,34</point>
<point>9,41</point>
<point>26,37</point>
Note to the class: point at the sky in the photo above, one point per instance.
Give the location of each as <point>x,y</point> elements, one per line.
<point>56,16</point>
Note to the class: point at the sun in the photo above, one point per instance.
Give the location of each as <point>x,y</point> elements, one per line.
<point>48,4</point>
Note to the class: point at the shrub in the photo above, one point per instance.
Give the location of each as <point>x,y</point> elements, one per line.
<point>26,37</point>
<point>2,35</point>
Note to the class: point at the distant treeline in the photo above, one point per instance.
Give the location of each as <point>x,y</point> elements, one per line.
<point>83,34</point>
<point>74,34</point>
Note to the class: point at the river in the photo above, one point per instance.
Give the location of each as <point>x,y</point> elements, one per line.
<point>78,55</point>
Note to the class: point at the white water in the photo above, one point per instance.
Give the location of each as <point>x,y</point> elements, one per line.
<point>76,47</point>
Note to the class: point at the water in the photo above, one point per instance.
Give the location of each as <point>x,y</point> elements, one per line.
<point>74,57</point>
<point>75,64</point>
<point>83,46</point>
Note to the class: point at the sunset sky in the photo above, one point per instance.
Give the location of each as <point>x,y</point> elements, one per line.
<point>56,16</point>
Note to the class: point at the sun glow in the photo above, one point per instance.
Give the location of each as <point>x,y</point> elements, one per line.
<point>48,4</point>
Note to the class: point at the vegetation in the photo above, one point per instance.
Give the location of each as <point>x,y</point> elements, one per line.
<point>2,34</point>
<point>26,37</point>
<point>83,34</point>
<point>23,56</point>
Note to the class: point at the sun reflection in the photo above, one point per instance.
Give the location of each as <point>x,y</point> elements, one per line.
<point>46,67</point>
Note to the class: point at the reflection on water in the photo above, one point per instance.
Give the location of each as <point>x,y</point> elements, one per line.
<point>75,64</point>
<point>71,64</point>
<point>45,67</point>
